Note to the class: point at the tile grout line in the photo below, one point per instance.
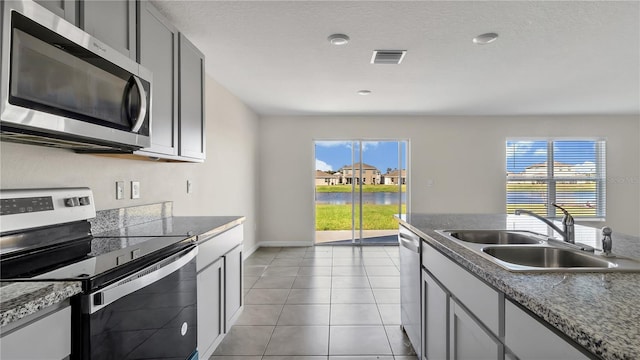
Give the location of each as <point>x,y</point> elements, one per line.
<point>380,314</point>
<point>356,255</point>
<point>281,310</point>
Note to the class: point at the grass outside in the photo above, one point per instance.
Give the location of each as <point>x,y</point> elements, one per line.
<point>560,187</point>
<point>577,210</point>
<point>365,188</point>
<point>338,217</point>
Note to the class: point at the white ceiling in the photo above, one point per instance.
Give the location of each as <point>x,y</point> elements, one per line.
<point>569,57</point>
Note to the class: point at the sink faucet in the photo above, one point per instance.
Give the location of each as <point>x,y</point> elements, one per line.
<point>568,231</point>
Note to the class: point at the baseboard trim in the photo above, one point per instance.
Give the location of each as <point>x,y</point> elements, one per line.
<point>283,244</point>
<point>248,251</point>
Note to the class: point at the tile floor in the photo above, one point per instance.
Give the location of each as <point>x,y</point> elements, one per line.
<point>319,303</point>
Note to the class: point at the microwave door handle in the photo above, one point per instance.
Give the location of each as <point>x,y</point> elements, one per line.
<point>143,105</point>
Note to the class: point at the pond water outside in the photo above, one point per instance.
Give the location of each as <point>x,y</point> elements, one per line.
<point>376,198</point>
<point>515,197</point>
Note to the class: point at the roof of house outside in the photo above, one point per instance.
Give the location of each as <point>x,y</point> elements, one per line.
<point>358,165</point>
<point>393,173</point>
<point>323,175</point>
<point>544,165</point>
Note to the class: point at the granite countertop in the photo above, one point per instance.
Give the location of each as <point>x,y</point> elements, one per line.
<point>202,226</point>
<point>19,299</point>
<point>597,310</point>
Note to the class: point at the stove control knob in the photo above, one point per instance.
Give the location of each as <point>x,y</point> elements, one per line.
<point>71,202</point>
<point>84,200</point>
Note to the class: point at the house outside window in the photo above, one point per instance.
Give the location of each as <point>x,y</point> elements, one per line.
<point>570,173</point>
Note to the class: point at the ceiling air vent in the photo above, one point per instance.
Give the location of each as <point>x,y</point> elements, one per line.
<point>393,57</point>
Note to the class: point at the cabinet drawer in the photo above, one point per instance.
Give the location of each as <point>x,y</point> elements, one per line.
<point>211,249</point>
<point>47,338</point>
<point>524,336</point>
<point>478,297</point>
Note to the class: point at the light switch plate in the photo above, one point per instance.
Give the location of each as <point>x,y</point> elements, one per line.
<point>119,190</point>
<point>135,189</point>
<point>189,186</point>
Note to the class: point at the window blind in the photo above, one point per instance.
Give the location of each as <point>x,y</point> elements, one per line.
<point>570,173</point>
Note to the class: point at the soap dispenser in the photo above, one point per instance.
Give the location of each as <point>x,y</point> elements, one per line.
<point>607,242</point>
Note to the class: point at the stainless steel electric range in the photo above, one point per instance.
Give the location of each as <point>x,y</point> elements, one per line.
<point>139,293</point>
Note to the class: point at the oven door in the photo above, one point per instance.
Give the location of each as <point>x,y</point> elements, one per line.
<point>150,314</point>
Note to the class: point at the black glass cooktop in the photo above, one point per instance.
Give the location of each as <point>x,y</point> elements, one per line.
<point>102,256</point>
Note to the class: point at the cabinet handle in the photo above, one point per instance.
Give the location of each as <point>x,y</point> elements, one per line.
<point>142,113</point>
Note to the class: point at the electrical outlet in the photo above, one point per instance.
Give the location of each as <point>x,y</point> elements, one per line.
<point>119,190</point>
<point>189,186</point>
<point>135,189</point>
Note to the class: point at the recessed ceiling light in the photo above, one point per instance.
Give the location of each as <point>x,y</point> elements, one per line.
<point>485,38</point>
<point>338,39</point>
<point>364,92</point>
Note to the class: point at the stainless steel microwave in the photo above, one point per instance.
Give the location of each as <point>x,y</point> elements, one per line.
<point>61,87</point>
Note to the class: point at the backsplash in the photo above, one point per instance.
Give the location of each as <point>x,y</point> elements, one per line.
<point>112,219</point>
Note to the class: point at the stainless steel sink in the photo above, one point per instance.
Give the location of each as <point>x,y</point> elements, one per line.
<point>496,236</point>
<point>525,251</point>
<point>547,257</point>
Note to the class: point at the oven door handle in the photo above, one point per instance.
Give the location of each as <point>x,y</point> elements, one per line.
<point>145,277</point>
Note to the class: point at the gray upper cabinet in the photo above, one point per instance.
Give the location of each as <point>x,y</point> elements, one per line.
<point>113,22</point>
<point>158,52</point>
<point>66,9</point>
<point>192,135</point>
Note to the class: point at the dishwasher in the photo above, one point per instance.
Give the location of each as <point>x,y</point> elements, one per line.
<point>410,304</point>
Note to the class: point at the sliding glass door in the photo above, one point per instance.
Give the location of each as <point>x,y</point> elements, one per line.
<point>360,186</point>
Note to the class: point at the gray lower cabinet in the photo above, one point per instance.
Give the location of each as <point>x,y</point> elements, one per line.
<point>468,339</point>
<point>46,337</point>
<point>66,9</point>
<point>518,322</point>
<point>191,100</point>
<point>234,295</point>
<point>158,52</point>
<point>219,279</point>
<point>461,313</point>
<point>210,282</point>
<point>465,318</point>
<point>112,22</point>
<point>435,319</point>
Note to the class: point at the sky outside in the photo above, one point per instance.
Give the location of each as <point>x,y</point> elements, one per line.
<point>581,154</point>
<point>332,155</point>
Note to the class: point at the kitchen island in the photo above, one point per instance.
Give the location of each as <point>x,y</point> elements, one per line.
<point>598,311</point>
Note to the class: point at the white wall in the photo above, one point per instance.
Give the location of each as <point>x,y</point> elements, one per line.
<point>223,185</point>
<point>444,149</point>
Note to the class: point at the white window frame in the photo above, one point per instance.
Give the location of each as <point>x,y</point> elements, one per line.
<point>551,180</point>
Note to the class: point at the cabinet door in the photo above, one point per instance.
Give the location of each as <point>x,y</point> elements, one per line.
<point>518,322</point>
<point>192,139</point>
<point>482,300</point>
<point>113,22</point>
<point>468,339</point>
<point>39,340</point>
<point>210,281</point>
<point>65,9</point>
<point>233,285</point>
<point>158,52</point>
<point>435,313</point>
